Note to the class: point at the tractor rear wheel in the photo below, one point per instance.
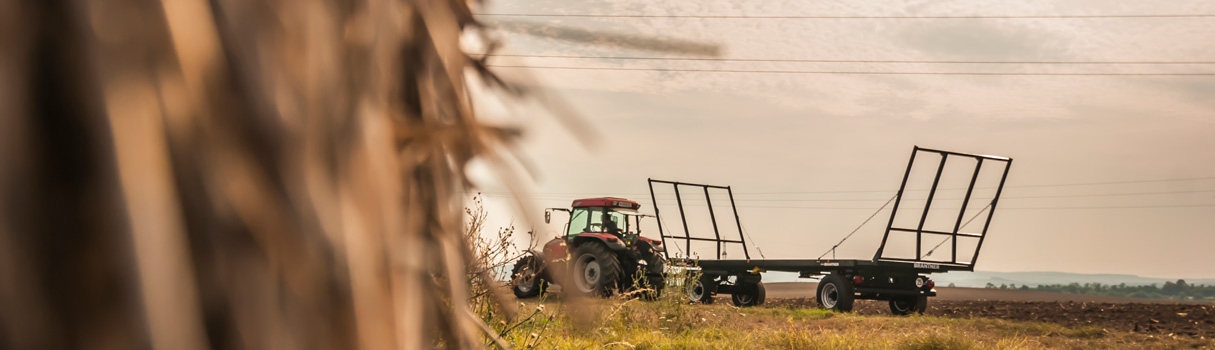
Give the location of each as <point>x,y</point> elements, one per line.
<point>751,294</point>
<point>596,270</point>
<point>909,305</point>
<point>654,280</point>
<point>702,289</point>
<point>525,278</point>
<point>835,293</point>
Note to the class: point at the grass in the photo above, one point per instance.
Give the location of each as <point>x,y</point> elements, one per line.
<point>671,324</point>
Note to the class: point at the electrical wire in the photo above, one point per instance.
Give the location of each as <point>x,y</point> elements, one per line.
<point>892,190</point>
<point>717,59</point>
<point>844,72</point>
<point>588,15</point>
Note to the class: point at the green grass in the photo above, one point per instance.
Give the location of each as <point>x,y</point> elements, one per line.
<point>672,324</point>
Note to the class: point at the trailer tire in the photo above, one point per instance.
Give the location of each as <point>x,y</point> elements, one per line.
<point>835,293</point>
<point>596,270</point>
<point>751,294</point>
<point>909,305</point>
<point>702,290</point>
<point>526,280</point>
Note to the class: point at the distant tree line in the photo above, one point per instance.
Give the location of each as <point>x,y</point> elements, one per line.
<point>1179,290</point>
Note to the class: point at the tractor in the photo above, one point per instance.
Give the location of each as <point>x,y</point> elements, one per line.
<point>599,252</point>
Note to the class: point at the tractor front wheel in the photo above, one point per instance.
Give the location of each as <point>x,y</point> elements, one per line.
<point>751,294</point>
<point>596,270</point>
<point>525,278</point>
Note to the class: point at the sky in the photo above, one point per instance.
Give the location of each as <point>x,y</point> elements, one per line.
<point>1083,194</point>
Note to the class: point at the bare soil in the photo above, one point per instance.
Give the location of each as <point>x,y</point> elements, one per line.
<point>1163,317</point>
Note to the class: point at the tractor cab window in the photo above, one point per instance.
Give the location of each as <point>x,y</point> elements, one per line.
<point>592,220</point>
<point>604,223</point>
<point>578,221</point>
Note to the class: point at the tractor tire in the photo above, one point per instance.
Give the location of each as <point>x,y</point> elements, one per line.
<point>749,295</point>
<point>908,305</point>
<point>835,293</point>
<point>596,270</point>
<point>526,280</point>
<point>655,280</point>
<point>702,290</point>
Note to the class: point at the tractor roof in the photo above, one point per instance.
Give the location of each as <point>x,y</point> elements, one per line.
<point>606,202</point>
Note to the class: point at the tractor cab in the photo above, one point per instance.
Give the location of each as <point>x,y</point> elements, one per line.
<point>612,221</point>
<point>615,216</point>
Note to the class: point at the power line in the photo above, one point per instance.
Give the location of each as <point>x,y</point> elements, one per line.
<point>715,59</point>
<point>841,72</point>
<point>1001,208</point>
<point>887,191</point>
<point>1114,182</point>
<point>1002,197</point>
<point>588,15</point>
<point>954,209</point>
<point>1021,186</point>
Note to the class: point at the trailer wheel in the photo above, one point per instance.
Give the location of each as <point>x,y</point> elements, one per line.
<point>908,305</point>
<point>525,278</point>
<point>703,289</point>
<point>596,270</point>
<point>751,294</point>
<point>835,293</point>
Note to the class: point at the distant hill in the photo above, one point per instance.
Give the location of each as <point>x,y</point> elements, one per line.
<point>980,279</point>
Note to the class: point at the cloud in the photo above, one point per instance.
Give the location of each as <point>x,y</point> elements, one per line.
<point>978,40</point>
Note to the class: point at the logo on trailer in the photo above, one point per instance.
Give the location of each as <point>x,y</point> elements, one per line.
<point>831,264</point>
<point>921,265</point>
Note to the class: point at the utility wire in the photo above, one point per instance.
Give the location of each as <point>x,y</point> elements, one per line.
<point>1003,197</point>
<point>842,72</point>
<point>715,59</point>
<point>668,200</point>
<point>910,190</point>
<point>1006,208</point>
<point>588,15</point>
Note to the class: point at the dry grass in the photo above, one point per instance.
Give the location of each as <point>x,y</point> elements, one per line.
<point>670,324</point>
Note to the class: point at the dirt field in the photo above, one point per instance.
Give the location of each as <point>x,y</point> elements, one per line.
<point>784,290</point>
<point>1162,317</point>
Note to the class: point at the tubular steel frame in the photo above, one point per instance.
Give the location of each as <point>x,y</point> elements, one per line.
<point>687,236</point>
<point>953,235</point>
<point>820,266</point>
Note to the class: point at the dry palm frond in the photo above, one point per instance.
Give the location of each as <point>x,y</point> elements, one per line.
<point>236,174</point>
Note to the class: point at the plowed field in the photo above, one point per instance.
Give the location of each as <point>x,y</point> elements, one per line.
<point>1123,314</point>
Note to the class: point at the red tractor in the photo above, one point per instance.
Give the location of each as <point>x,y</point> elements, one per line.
<point>599,252</point>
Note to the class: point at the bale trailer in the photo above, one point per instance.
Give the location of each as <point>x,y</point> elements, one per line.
<point>902,281</point>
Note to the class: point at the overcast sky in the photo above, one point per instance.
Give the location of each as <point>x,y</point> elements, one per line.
<point>771,136</point>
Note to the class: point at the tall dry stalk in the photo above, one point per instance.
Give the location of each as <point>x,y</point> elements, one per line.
<point>236,174</point>
<point>489,265</point>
